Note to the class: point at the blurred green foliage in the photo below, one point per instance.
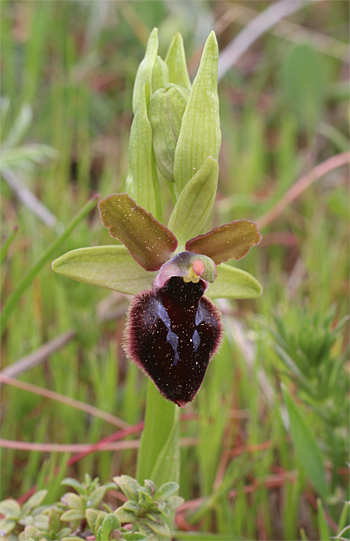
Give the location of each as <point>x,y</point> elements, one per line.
<point>74,63</point>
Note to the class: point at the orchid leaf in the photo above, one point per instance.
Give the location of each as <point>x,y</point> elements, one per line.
<point>142,181</point>
<point>176,61</point>
<point>105,266</point>
<point>144,73</point>
<point>233,283</point>
<point>195,202</point>
<point>149,242</point>
<point>200,134</point>
<point>229,241</point>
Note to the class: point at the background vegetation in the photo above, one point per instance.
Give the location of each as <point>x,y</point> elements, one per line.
<point>248,469</point>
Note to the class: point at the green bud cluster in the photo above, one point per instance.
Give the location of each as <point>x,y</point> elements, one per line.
<point>166,110</point>
<point>176,126</point>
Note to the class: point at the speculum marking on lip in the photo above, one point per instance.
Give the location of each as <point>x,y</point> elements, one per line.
<point>172,334</point>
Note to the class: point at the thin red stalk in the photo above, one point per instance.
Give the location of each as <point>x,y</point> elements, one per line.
<point>52,395</point>
<point>300,186</point>
<point>94,447</point>
<point>79,447</point>
<point>311,499</point>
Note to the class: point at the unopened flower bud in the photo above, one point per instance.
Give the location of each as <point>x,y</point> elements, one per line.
<point>160,74</point>
<point>166,110</point>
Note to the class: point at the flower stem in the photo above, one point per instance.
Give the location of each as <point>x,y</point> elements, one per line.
<point>159,454</point>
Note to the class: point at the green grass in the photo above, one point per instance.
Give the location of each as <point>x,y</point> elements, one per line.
<point>76,71</point>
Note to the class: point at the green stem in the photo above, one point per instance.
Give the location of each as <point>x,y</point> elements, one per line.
<point>159,454</point>
<point>47,255</point>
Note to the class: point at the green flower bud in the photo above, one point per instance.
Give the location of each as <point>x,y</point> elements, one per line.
<point>160,75</point>
<point>145,71</point>
<point>176,62</point>
<point>166,110</point>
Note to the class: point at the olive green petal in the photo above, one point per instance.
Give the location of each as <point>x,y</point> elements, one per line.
<point>149,242</point>
<point>233,283</point>
<point>105,266</point>
<point>229,241</point>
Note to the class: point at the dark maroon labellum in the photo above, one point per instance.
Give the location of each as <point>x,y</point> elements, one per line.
<point>172,334</point>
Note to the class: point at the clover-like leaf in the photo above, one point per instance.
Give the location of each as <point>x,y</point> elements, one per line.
<point>125,516</point>
<point>71,515</point>
<point>174,502</point>
<point>145,496</point>
<point>34,501</point>
<point>176,61</point>
<point>96,496</point>
<point>166,490</point>
<point>233,283</point>
<point>105,266</point>
<point>134,536</point>
<point>149,242</point>
<point>7,525</point>
<point>110,523</point>
<point>229,241</point>
<point>196,200</point>
<point>160,527</point>
<point>72,500</point>
<point>200,134</point>
<point>145,70</point>
<point>10,508</point>
<point>129,486</point>
<point>92,515</point>
<point>69,481</point>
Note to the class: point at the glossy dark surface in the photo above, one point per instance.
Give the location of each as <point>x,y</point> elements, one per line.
<point>172,334</point>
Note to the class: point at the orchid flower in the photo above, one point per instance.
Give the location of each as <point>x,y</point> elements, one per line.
<point>173,328</point>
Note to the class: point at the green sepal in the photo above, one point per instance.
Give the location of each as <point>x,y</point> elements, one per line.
<point>166,110</point>
<point>176,61</point>
<point>149,242</point>
<point>145,70</point>
<point>160,74</point>
<point>142,181</point>
<point>200,134</point>
<point>105,266</point>
<point>195,202</point>
<point>233,283</point>
<point>228,241</point>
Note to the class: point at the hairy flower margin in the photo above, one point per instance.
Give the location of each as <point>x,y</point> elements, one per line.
<point>173,328</point>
